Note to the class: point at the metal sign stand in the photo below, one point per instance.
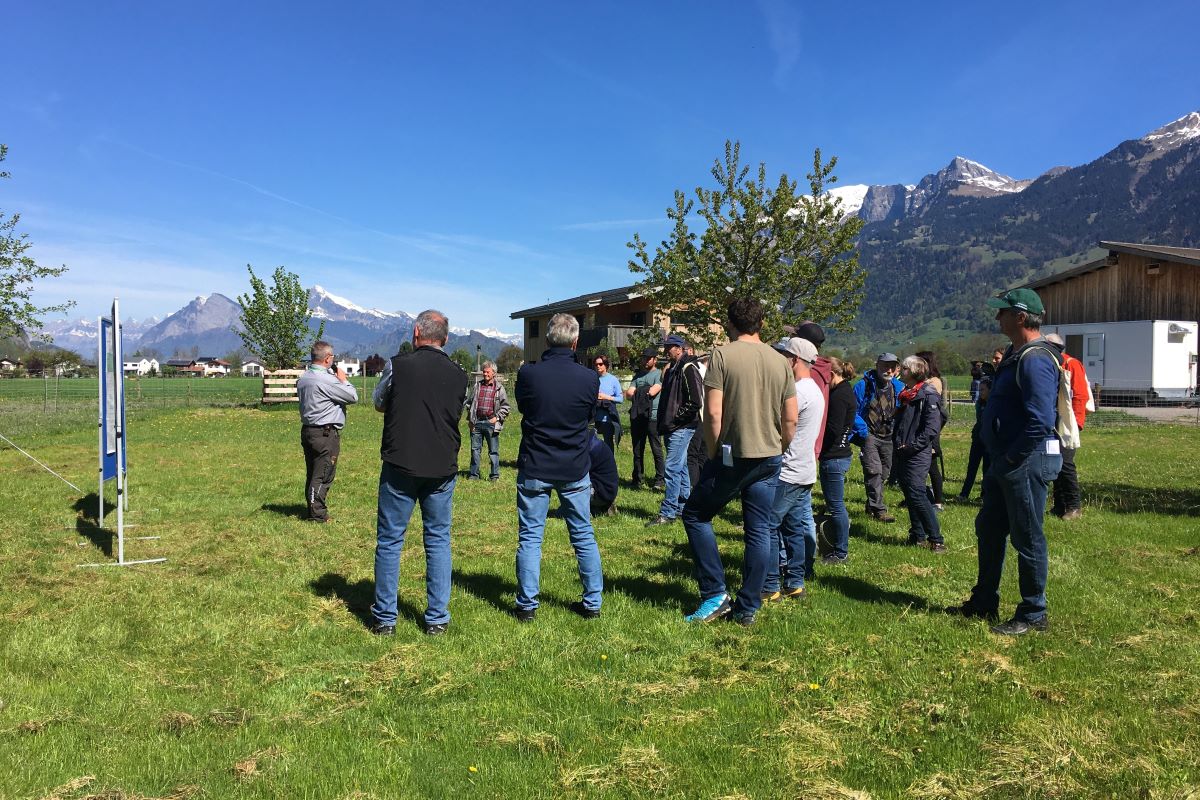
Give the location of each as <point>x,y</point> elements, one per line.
<point>118,424</point>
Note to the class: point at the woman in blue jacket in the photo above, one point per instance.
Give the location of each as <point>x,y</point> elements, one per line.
<point>918,423</point>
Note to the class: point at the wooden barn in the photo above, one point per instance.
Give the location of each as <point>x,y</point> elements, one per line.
<point>1132,318</point>
<point>614,315</point>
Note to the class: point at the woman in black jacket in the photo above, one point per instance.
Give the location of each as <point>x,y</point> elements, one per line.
<point>834,461</point>
<point>918,423</point>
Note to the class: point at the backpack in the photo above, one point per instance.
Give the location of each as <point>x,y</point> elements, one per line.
<point>1065,426</point>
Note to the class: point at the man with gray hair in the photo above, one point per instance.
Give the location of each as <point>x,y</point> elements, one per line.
<point>324,394</point>
<point>421,396</point>
<point>487,408</point>
<point>557,399</point>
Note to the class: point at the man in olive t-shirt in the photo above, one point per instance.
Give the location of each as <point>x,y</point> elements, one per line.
<point>749,420</point>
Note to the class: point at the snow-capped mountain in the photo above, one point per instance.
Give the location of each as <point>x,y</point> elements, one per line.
<point>79,335</point>
<point>328,306</point>
<point>209,323</point>
<point>851,196</point>
<point>491,333</point>
<point>1173,134</point>
<point>962,177</point>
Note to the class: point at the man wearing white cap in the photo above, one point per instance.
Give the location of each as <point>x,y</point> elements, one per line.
<point>795,532</point>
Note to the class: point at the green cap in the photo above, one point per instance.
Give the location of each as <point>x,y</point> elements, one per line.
<point>1026,300</point>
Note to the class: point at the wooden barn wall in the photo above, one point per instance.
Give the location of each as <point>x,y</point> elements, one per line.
<point>1125,292</point>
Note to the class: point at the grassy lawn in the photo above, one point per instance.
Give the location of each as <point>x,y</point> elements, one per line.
<point>242,668</point>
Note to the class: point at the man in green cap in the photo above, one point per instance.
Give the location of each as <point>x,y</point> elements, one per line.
<point>1017,428</point>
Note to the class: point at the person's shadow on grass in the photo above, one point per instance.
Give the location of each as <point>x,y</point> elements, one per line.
<point>863,591</point>
<point>358,597</point>
<point>298,510</point>
<point>87,526</point>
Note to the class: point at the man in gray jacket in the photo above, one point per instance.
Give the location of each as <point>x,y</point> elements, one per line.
<point>324,394</point>
<point>487,408</point>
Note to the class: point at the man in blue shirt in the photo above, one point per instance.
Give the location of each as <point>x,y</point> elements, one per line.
<point>557,400</point>
<point>1018,430</point>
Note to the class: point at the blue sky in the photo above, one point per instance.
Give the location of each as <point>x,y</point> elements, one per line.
<point>486,157</point>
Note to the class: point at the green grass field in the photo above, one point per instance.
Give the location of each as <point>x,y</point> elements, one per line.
<point>242,668</point>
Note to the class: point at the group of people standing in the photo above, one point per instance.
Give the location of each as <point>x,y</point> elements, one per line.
<point>768,424</point>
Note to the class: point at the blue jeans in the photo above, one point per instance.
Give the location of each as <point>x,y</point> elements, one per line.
<point>533,501</point>
<point>833,489</point>
<point>922,519</point>
<point>754,479</point>
<point>795,536</point>
<point>398,495</point>
<point>679,484</point>
<point>485,429</point>
<point>1014,502</point>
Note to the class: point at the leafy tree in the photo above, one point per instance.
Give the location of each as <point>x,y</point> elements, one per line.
<point>374,365</point>
<point>18,271</point>
<point>794,253</point>
<point>510,358</point>
<point>406,347</point>
<point>463,358</point>
<point>275,321</point>
<point>236,358</point>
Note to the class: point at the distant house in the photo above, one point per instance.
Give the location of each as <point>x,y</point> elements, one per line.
<point>351,366</point>
<point>184,366</point>
<point>1131,317</point>
<point>141,367</point>
<point>612,315</point>
<point>252,368</point>
<point>8,365</point>
<point>213,367</point>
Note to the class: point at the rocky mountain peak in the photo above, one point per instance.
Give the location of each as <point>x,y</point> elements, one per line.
<point>1175,133</point>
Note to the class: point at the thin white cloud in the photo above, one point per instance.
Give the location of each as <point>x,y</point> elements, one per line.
<point>783,34</point>
<point>611,224</point>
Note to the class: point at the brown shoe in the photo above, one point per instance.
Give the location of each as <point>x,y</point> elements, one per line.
<point>883,516</point>
<point>1074,513</point>
<point>937,547</point>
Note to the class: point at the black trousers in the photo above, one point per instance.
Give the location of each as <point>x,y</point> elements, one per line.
<point>645,429</point>
<point>322,444</point>
<point>935,470</point>
<point>1066,485</point>
<point>977,455</point>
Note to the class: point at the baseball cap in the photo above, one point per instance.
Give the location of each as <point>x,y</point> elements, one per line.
<point>811,332</point>
<point>674,341</point>
<point>650,351</point>
<point>802,349</point>
<point>887,358</point>
<point>1020,299</point>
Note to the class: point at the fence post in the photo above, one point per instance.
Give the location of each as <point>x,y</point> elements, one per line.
<point>56,393</point>
<point>45,392</point>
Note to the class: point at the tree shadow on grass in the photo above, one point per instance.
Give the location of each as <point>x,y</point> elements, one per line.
<point>857,589</point>
<point>87,526</point>
<point>298,510</point>
<point>358,597</point>
<point>1124,499</point>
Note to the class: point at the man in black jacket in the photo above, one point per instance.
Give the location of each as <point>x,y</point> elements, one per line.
<point>557,399</point>
<point>421,395</point>
<point>679,406</point>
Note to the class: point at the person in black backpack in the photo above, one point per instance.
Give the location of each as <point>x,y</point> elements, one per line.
<point>1018,429</point>
<point>877,394</point>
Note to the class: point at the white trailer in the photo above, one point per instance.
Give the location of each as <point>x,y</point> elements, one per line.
<point>1145,359</point>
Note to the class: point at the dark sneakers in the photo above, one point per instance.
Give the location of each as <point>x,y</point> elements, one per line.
<point>660,520</point>
<point>970,611</point>
<point>383,630</point>
<point>743,618</point>
<point>525,614</point>
<point>834,560</point>
<point>937,547</point>
<point>1020,627</point>
<point>1072,513</point>
<point>882,516</point>
<point>436,630</point>
<point>587,613</point>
